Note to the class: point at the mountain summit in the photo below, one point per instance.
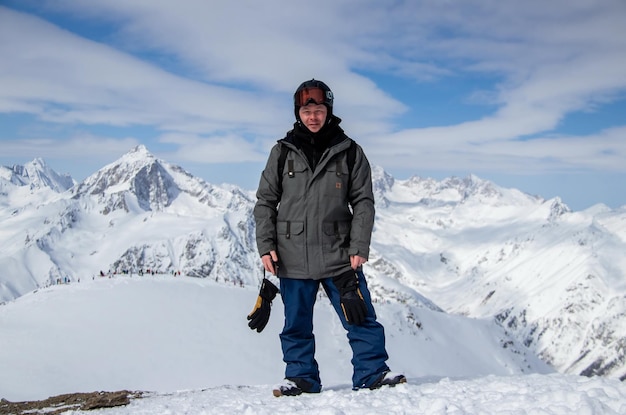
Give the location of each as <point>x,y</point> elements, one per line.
<point>139,181</point>
<point>36,174</point>
<point>138,173</point>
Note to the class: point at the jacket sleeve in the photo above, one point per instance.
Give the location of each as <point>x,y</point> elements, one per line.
<point>361,200</point>
<point>265,210</point>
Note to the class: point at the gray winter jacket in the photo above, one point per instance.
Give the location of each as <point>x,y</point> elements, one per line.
<point>321,217</point>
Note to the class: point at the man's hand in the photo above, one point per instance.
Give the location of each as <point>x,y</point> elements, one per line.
<point>356,261</point>
<point>269,262</point>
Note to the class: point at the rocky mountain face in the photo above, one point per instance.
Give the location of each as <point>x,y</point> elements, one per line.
<point>554,279</point>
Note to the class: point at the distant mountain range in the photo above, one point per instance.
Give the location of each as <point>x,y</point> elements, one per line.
<point>554,279</point>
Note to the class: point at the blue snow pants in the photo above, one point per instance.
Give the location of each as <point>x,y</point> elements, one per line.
<point>298,342</point>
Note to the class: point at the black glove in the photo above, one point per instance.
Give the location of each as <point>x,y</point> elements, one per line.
<point>260,314</point>
<point>352,303</point>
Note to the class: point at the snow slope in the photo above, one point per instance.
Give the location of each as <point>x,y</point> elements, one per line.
<point>185,341</point>
<point>166,333</point>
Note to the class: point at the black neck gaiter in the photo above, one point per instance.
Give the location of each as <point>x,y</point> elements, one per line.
<point>314,144</point>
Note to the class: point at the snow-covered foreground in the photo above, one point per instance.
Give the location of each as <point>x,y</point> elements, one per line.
<point>165,333</point>
<point>526,394</point>
<point>185,341</point>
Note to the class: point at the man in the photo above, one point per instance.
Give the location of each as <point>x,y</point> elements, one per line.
<point>314,218</point>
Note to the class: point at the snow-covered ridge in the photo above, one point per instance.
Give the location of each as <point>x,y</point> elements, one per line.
<point>552,278</point>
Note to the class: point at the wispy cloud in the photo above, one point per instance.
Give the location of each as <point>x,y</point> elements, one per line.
<point>220,74</point>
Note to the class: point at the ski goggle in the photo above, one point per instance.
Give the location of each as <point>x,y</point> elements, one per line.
<point>307,95</point>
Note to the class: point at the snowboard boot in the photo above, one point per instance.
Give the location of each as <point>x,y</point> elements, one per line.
<point>292,387</point>
<point>388,378</point>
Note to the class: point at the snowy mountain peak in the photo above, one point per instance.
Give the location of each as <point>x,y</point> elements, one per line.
<point>37,175</point>
<point>453,191</point>
<point>137,173</point>
<point>558,209</point>
<point>140,181</point>
<point>382,182</point>
<point>138,153</point>
<point>471,187</point>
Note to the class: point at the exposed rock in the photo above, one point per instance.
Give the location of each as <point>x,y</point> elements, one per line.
<point>71,401</point>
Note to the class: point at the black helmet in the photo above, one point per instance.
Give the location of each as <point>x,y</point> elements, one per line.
<point>313,91</point>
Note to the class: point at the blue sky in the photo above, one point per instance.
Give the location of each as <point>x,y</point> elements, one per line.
<point>530,94</point>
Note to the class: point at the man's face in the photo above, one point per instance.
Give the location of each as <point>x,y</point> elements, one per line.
<point>313,116</point>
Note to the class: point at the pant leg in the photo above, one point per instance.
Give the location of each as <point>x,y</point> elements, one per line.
<point>367,340</point>
<point>297,339</point>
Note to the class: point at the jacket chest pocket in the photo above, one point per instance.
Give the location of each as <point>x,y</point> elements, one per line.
<point>336,178</point>
<point>294,177</point>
